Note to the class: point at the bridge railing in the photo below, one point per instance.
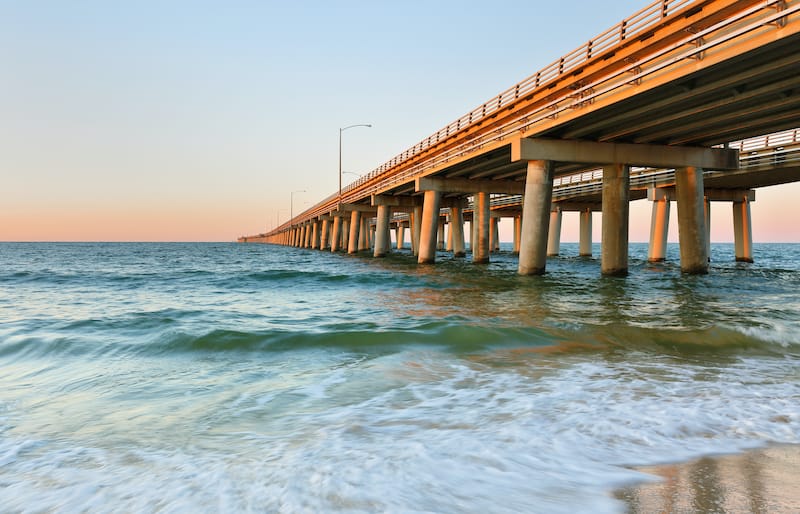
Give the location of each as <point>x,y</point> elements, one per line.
<point>629,27</point>
<point>635,24</point>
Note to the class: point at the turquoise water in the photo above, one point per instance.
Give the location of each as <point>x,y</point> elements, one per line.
<point>258,378</point>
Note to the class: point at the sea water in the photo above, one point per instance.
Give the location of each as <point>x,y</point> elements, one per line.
<point>257,378</point>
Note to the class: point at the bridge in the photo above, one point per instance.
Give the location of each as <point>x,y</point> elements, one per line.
<point>668,89</point>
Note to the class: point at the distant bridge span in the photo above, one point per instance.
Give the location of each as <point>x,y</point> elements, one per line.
<point>660,89</point>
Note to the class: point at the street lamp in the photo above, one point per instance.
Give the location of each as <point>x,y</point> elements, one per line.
<point>291,206</point>
<point>340,154</point>
<point>278,216</point>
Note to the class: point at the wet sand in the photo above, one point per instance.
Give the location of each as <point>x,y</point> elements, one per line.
<point>765,480</point>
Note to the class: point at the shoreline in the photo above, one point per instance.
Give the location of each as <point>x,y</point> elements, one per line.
<point>760,480</point>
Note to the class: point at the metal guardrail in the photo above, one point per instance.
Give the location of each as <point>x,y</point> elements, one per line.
<point>648,17</point>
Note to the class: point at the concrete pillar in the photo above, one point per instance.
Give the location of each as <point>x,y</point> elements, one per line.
<point>480,232</point>
<point>494,233</point>
<point>324,241</point>
<point>363,233</point>
<point>372,229</point>
<point>430,224</point>
<point>691,220</point>
<point>473,228</point>
<point>309,235</point>
<point>585,237</point>
<point>336,234</point>
<point>554,233</point>
<point>400,235</point>
<point>742,231</point>
<point>517,232</point>
<point>457,231</point>
<point>440,234</point>
<point>659,225</point>
<point>536,217</point>
<point>449,246</point>
<point>355,229</point>
<point>316,236</point>
<point>382,238</point>
<point>416,229</point>
<point>616,207</point>
<point>707,218</point>
<point>345,242</point>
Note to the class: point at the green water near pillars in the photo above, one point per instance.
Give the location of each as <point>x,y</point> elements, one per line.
<point>225,377</point>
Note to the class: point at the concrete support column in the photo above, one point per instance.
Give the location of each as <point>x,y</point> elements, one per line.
<point>355,229</point>
<point>554,233</point>
<point>345,242</point>
<point>324,242</point>
<point>707,217</point>
<point>449,246</point>
<point>742,231</point>
<point>473,228</point>
<point>480,232</point>
<point>416,229</point>
<point>494,234</point>
<point>585,237</point>
<point>363,233</point>
<point>457,231</point>
<point>440,234</point>
<point>315,236</point>
<point>309,235</point>
<point>382,237</point>
<point>659,225</point>
<point>430,224</point>
<point>336,234</point>
<point>517,232</point>
<point>400,235</point>
<point>536,217</point>
<point>692,233</point>
<point>616,207</point>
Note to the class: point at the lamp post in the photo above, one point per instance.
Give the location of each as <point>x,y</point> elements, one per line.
<point>291,206</point>
<point>340,154</point>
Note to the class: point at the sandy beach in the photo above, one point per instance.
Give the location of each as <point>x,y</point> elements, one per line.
<point>757,481</point>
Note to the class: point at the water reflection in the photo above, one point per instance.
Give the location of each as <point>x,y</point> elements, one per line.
<point>760,481</point>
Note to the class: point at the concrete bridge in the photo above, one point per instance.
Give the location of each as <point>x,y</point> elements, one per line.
<point>666,89</point>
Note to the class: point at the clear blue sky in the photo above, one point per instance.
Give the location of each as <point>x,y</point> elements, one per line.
<point>193,120</point>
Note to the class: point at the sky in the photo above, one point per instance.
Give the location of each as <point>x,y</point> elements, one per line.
<point>197,120</point>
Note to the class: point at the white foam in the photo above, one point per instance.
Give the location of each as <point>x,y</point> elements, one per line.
<point>418,432</point>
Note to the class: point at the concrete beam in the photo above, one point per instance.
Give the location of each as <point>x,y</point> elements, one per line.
<point>730,195</point>
<point>465,185</point>
<point>591,152</point>
<point>350,207</point>
<point>568,206</point>
<point>449,203</point>
<point>711,195</point>
<point>396,201</point>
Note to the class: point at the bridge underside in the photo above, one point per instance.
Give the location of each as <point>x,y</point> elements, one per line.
<point>755,93</point>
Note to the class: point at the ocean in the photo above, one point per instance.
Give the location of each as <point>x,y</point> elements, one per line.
<point>185,378</point>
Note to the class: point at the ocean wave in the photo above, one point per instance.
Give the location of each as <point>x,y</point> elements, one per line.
<point>164,333</point>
